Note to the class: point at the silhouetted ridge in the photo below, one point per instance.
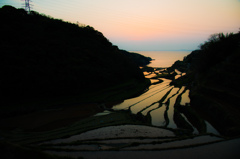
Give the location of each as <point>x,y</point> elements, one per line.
<point>213,75</point>
<point>139,59</point>
<point>43,56</point>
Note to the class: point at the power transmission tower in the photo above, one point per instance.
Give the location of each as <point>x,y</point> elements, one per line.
<point>27,5</point>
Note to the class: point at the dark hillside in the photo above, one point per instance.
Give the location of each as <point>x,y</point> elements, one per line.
<point>213,75</point>
<point>46,57</point>
<point>139,59</point>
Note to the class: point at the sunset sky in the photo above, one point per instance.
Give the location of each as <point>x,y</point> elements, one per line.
<point>146,24</point>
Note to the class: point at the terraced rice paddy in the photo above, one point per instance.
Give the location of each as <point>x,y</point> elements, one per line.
<point>159,119</point>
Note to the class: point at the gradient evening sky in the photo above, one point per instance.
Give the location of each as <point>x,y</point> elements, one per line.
<point>136,25</point>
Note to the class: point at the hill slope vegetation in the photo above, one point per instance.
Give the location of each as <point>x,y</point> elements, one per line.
<point>43,57</point>
<point>213,75</point>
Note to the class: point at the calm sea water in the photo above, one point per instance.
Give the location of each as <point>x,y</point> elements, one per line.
<point>164,58</point>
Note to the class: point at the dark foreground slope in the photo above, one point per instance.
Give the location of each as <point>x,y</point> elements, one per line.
<point>44,58</point>
<point>213,75</point>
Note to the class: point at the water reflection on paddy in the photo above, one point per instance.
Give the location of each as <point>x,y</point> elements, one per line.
<point>158,114</point>
<point>151,93</point>
<point>149,100</point>
<point>154,81</point>
<point>154,106</point>
<point>151,75</point>
<point>158,105</point>
<point>185,98</point>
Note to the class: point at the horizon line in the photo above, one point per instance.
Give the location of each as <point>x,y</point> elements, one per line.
<point>163,50</point>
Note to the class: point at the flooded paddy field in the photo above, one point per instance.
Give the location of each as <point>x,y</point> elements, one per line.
<point>160,119</point>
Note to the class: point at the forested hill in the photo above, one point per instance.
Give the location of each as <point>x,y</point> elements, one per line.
<point>139,59</point>
<point>213,75</point>
<point>43,56</point>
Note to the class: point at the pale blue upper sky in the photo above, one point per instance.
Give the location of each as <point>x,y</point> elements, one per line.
<point>146,24</point>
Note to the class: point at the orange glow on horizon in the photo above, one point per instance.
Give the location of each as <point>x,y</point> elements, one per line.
<point>141,20</point>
